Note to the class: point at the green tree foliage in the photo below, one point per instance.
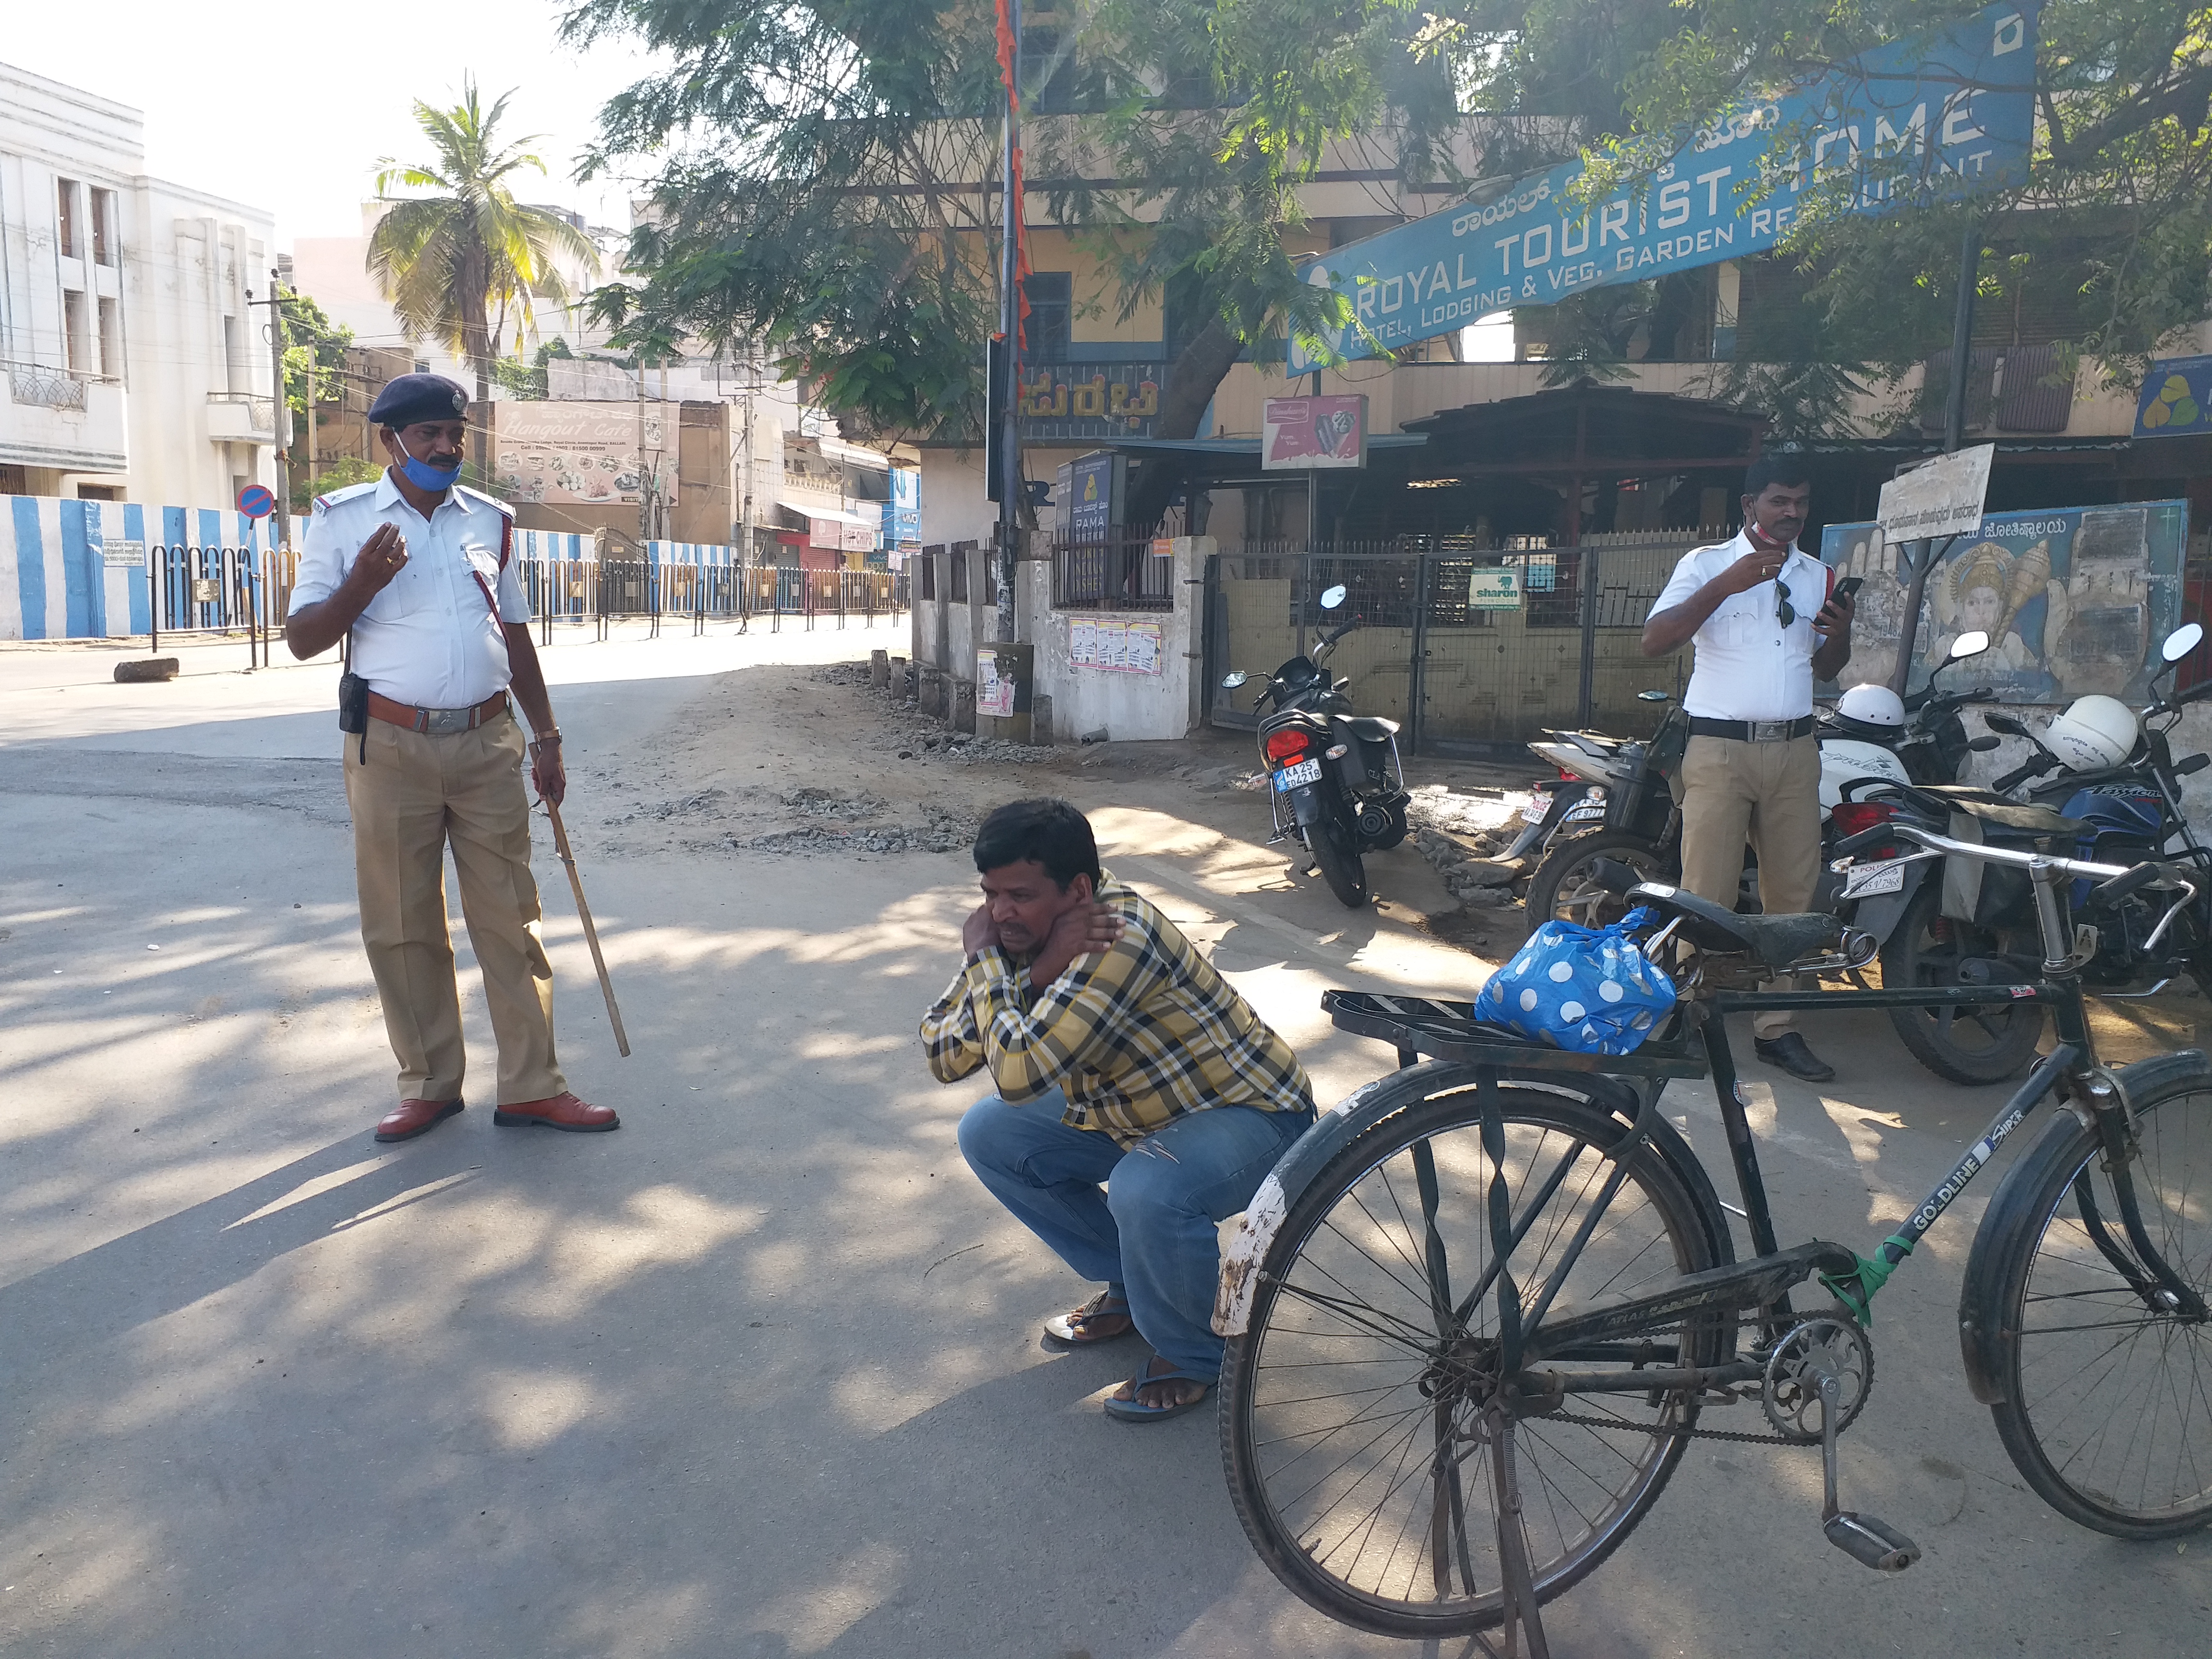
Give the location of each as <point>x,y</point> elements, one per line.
<point>2112,227</point>
<point>529,381</point>
<point>461,262</point>
<point>315,354</point>
<point>817,205</point>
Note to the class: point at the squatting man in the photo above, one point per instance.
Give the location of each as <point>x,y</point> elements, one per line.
<point>1121,1057</point>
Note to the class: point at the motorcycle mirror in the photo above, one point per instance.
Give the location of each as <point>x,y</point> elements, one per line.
<point>1651,697</point>
<point>1971,643</point>
<point>1233,678</point>
<point>2183,641</point>
<point>2006,724</point>
<point>1332,597</point>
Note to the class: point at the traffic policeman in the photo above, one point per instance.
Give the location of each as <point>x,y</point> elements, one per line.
<point>1766,626</point>
<point>417,574</point>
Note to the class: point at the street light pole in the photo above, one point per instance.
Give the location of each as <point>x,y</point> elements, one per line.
<point>1962,337</point>
<point>1009,327</point>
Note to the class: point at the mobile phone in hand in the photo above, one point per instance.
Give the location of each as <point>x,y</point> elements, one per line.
<point>1848,586</point>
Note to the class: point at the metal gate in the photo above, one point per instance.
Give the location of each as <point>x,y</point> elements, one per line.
<point>1439,650</point>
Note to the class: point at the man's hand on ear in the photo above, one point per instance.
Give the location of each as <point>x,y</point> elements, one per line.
<point>1089,928</point>
<point>979,932</point>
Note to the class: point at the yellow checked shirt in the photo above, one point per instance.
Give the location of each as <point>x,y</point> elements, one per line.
<point>1134,1038</point>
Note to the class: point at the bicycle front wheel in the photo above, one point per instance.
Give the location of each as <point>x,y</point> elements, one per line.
<point>2109,1384</point>
<point>1352,1406</point>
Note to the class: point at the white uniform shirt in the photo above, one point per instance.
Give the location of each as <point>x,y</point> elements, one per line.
<point>1748,666</point>
<point>429,637</point>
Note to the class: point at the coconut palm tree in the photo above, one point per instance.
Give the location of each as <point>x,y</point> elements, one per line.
<point>459,263</point>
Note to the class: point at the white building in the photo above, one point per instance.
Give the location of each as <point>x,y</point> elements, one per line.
<point>133,365</point>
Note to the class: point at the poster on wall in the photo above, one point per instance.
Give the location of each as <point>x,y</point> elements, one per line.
<point>564,451</point>
<point>994,696</point>
<point>2075,600</point>
<point>1117,647</point>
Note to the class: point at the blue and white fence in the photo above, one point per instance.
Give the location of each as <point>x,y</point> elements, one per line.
<point>80,570</point>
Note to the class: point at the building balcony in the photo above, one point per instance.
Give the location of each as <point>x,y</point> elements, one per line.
<point>240,417</point>
<point>49,417</point>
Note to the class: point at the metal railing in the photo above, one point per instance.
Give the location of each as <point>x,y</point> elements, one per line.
<point>1120,572</point>
<point>210,590</point>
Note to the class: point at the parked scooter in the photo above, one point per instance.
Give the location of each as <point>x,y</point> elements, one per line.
<point>1335,776</point>
<point>2117,795</point>
<point>1926,742</point>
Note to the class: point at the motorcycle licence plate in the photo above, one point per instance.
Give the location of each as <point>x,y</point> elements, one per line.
<point>1865,880</point>
<point>1535,811</point>
<point>1295,776</point>
<point>1586,813</point>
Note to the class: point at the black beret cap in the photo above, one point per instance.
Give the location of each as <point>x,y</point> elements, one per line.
<point>412,397</point>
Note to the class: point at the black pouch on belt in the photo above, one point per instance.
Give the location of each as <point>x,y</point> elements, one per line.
<point>353,701</point>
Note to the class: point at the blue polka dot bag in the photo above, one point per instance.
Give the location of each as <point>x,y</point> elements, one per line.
<point>1592,990</point>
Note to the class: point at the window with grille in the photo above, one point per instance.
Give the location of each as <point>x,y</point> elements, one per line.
<point>1052,308</point>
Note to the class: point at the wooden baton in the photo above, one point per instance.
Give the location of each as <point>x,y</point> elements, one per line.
<point>591,933</point>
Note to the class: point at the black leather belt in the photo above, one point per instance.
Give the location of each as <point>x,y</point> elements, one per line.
<point>1752,731</point>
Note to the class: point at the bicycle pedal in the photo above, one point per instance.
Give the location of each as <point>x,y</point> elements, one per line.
<point>1870,1541</point>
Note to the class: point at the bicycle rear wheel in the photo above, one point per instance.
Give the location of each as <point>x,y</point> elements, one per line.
<point>1348,1422</point>
<point>2109,1407</point>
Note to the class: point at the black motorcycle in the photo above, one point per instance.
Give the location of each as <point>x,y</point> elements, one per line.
<point>1335,773</point>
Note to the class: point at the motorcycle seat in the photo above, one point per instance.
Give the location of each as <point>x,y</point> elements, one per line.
<point>1371,728</point>
<point>1777,941</point>
<point>2008,815</point>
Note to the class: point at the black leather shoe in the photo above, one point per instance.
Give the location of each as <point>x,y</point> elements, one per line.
<point>1791,1052</point>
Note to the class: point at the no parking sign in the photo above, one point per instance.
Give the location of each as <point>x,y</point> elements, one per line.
<point>257,500</point>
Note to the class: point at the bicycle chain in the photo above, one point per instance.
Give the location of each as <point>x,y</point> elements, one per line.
<point>1664,1432</point>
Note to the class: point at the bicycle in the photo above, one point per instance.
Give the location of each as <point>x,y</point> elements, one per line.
<point>1422,1455</point>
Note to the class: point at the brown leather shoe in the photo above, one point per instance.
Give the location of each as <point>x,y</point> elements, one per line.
<point>415,1117</point>
<point>562,1111</point>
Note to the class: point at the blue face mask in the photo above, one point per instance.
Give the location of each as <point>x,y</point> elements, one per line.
<point>422,475</point>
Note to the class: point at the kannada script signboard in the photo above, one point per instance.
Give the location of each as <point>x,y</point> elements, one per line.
<point>1943,498</point>
<point>2177,399</point>
<point>1944,113</point>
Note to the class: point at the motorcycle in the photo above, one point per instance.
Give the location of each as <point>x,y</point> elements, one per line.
<point>1947,923</point>
<point>1642,828</point>
<point>1335,775</point>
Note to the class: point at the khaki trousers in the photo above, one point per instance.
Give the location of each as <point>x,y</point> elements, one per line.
<point>1768,794</point>
<point>415,794</point>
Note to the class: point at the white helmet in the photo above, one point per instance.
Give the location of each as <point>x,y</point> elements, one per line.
<point>1871,711</point>
<point>2093,733</point>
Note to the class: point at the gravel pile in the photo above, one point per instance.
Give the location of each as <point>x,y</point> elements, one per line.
<point>1459,833</point>
<point>909,734</point>
<point>848,806</point>
<point>943,833</point>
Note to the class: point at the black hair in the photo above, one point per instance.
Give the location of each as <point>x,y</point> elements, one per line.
<point>1043,831</point>
<point>1781,468</point>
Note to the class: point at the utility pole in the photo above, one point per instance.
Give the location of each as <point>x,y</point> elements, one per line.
<point>281,415</point>
<point>1962,337</point>
<point>1010,488</point>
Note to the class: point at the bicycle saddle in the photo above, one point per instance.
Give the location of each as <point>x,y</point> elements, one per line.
<point>1777,941</point>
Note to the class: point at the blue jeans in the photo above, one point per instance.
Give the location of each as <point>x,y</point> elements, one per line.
<point>1149,1235</point>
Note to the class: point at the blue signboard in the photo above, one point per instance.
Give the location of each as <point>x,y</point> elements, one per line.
<point>902,517</point>
<point>2177,399</point>
<point>1944,113</point>
<point>2075,599</point>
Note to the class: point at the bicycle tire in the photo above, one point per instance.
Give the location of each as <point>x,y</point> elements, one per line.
<point>1587,906</point>
<point>2060,1417</point>
<point>1318,1245</point>
<point>1933,1036</point>
<point>1342,869</point>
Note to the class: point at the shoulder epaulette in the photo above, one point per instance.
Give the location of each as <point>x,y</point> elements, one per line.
<point>325,502</point>
<point>492,501</point>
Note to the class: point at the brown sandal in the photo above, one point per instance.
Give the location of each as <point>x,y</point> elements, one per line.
<point>1074,1330</point>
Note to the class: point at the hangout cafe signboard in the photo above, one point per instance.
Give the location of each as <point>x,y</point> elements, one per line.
<point>576,452</point>
<point>2075,600</point>
<point>1947,113</point>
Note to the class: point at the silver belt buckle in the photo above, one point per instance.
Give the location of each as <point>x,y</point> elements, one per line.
<point>444,722</point>
<point>1769,731</point>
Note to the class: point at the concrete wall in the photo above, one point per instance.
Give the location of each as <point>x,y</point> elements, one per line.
<point>74,570</point>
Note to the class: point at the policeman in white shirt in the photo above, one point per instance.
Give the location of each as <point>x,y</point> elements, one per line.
<point>1766,626</point>
<point>418,572</point>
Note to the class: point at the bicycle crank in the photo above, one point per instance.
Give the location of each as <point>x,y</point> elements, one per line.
<point>1830,1360</point>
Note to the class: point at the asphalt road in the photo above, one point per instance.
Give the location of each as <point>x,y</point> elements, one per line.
<point>758,1375</point>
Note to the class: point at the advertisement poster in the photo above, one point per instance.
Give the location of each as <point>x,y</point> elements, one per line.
<point>1492,589</point>
<point>1314,433</point>
<point>1093,507</point>
<point>1118,647</point>
<point>562,451</point>
<point>2177,399</point>
<point>2075,600</point>
<point>994,696</point>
